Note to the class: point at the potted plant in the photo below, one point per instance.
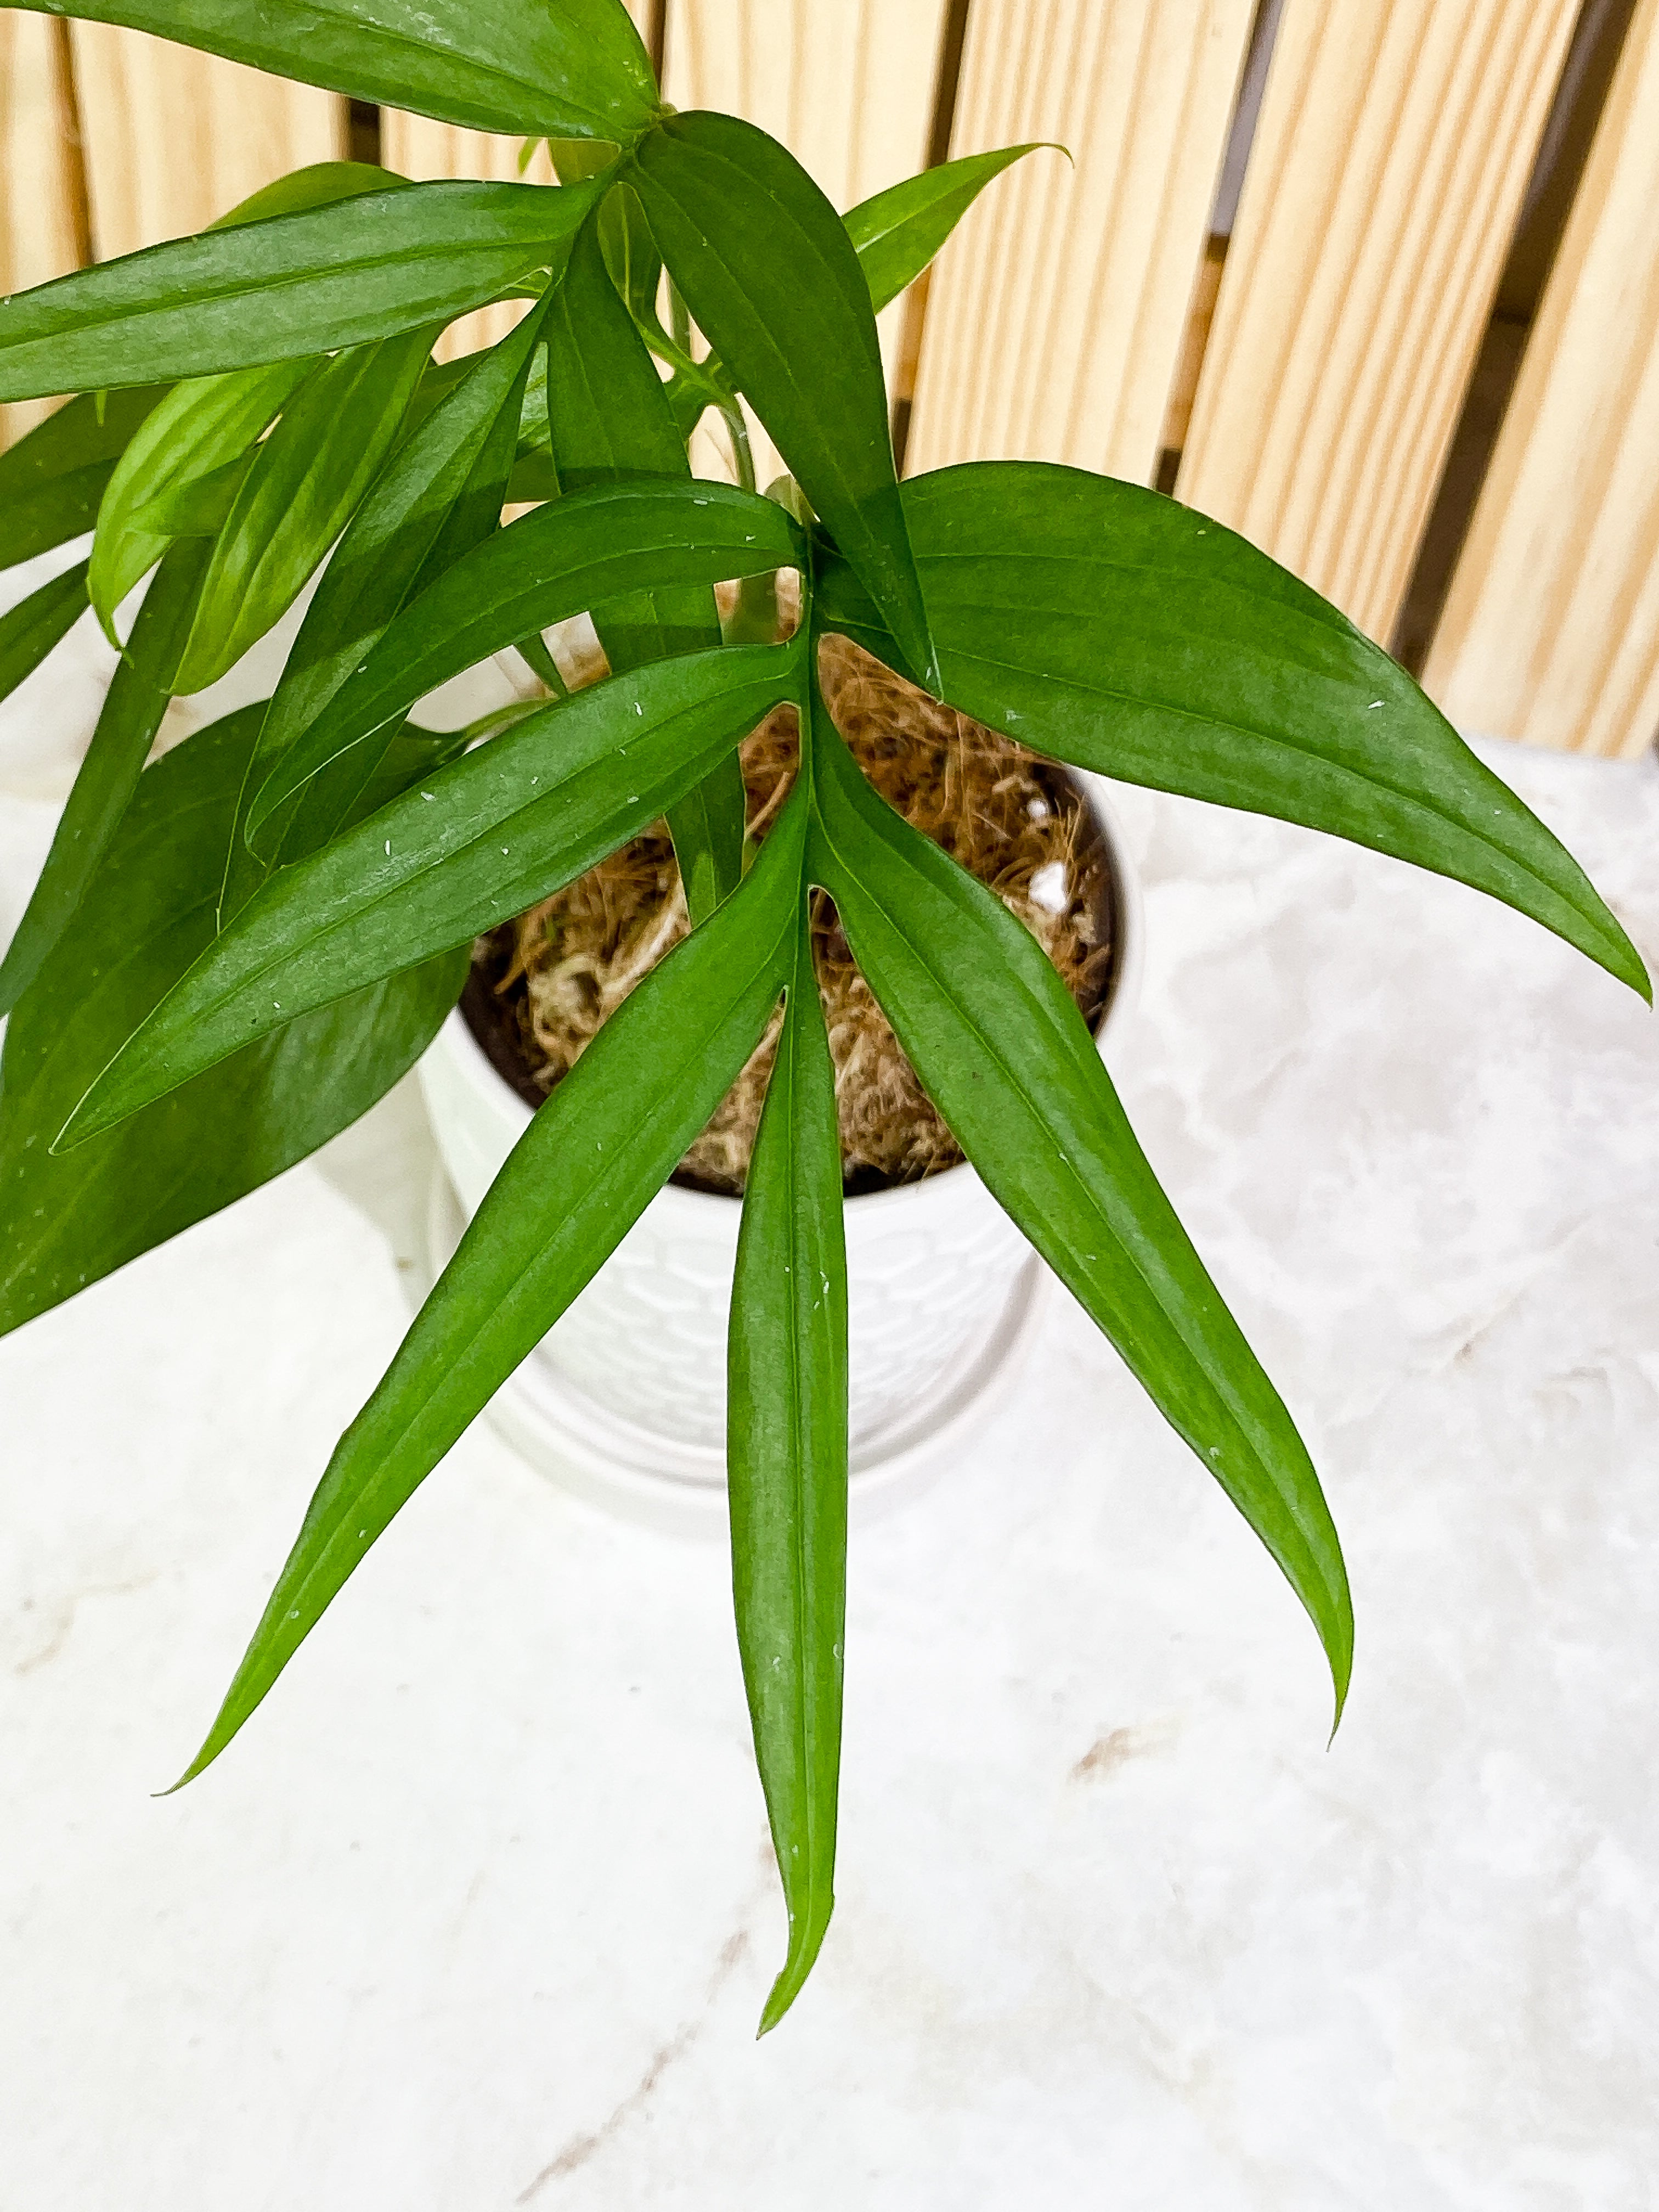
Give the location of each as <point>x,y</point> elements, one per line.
<point>231,953</point>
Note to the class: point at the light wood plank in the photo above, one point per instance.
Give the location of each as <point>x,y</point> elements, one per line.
<point>1389,162</point>
<point>847,85</point>
<point>1056,315</point>
<point>41,236</point>
<point>1551,631</point>
<point>174,138</point>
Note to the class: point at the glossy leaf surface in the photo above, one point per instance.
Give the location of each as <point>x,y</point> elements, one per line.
<point>506,825</point>
<point>786,1463</point>
<point>1002,1051</point>
<point>564,68</point>
<point>198,428</point>
<point>1106,626</point>
<point>611,420</point>
<point>306,480</point>
<point>66,1222</point>
<point>896,234</point>
<point>29,630</point>
<point>104,784</point>
<point>319,184</point>
<point>199,508</point>
<point>595,1155</point>
<point>53,480</point>
<point>294,285</point>
<point>771,276</point>
<point>578,552</point>
<point>442,495</point>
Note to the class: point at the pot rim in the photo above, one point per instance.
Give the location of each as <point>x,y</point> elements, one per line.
<point>1128,923</point>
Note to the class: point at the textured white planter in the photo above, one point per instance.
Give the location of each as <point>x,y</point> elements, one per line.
<point>625,1397</point>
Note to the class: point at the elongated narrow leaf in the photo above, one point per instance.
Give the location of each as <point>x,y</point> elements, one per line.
<point>492,834</point>
<point>1003,1052</point>
<point>441,495</point>
<point>610,420</point>
<point>107,777</point>
<point>293,285</point>
<point>770,275</point>
<point>577,1179</point>
<point>897,233</point>
<point>578,552</point>
<point>195,431</point>
<point>786,1464</point>
<point>29,630</point>
<point>53,480</point>
<point>149,912</point>
<point>319,184</point>
<point>630,252</point>
<point>199,508</point>
<point>1106,626</point>
<point>305,481</point>
<point>560,69</point>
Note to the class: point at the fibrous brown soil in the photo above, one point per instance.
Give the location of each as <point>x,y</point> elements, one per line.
<point>1020,824</point>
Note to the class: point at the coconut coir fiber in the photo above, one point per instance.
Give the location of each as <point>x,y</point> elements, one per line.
<point>1018,823</point>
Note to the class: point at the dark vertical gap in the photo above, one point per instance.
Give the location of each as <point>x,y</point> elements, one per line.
<point>363,131</point>
<point>1207,282</point>
<point>1586,74</point>
<point>1247,110</point>
<point>946,85</point>
<point>656,37</point>
<point>80,198</point>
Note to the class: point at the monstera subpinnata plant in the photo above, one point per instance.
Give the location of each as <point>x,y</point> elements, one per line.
<point>231,953</point>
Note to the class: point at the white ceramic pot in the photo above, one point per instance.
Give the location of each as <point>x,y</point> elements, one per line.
<point>625,1397</point>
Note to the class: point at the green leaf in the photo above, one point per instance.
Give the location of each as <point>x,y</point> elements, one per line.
<point>786,1464</point>
<point>770,275</point>
<point>1106,626</point>
<point>441,495</point>
<point>560,69</point>
<point>708,828</point>
<point>293,285</point>
<point>630,253</point>
<point>576,1181</point>
<point>506,825</point>
<point>199,508</point>
<point>149,911</point>
<point>53,480</point>
<point>319,184</point>
<point>611,421</point>
<point>195,431</point>
<point>29,630</point>
<point>106,779</point>
<point>897,233</point>
<point>578,552</point>
<point>306,481</point>
<point>1003,1052</point>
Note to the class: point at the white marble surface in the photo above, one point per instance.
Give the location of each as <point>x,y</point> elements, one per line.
<point>477,1913</point>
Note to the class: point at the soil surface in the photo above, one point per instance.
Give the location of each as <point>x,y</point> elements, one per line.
<point>543,985</point>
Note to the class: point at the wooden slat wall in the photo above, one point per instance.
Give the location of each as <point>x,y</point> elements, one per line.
<point>1551,633</point>
<point>1056,314</point>
<point>1390,163</point>
<point>39,211</point>
<point>174,138</point>
<point>849,88</point>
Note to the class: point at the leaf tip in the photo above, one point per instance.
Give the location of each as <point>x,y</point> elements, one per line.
<point>806,1940</point>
